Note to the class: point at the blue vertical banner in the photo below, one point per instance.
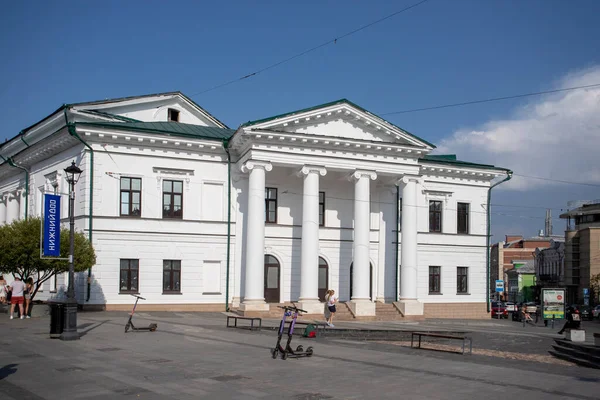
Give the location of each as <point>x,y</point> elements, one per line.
<point>51,225</point>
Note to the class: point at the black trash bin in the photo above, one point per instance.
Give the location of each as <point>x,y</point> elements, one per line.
<point>57,319</point>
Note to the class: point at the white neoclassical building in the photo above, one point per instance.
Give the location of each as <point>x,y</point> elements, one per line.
<point>194,215</point>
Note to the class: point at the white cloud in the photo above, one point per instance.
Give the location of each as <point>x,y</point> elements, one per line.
<point>556,136</point>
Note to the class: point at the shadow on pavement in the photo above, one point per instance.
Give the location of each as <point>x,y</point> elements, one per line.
<point>92,326</point>
<point>7,370</point>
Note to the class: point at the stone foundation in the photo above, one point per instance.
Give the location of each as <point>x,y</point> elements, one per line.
<point>456,310</point>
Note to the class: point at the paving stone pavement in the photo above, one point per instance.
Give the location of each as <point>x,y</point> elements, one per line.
<point>193,355</point>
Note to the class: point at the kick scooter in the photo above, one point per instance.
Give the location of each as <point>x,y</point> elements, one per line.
<point>288,351</point>
<point>152,327</point>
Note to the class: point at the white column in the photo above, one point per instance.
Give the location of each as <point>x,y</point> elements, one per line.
<point>12,207</point>
<point>361,303</point>
<point>309,267</point>
<point>254,299</point>
<point>409,304</point>
<point>3,204</point>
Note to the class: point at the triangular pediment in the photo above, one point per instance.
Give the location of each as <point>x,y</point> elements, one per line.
<point>152,108</point>
<point>341,119</point>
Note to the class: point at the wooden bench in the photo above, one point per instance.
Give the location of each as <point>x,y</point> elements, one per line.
<point>442,336</point>
<point>236,317</point>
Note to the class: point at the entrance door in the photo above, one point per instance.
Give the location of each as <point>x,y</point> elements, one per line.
<point>323,278</point>
<point>272,272</point>
<point>370,280</point>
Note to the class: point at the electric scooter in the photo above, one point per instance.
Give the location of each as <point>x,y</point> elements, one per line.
<point>288,351</point>
<point>152,327</point>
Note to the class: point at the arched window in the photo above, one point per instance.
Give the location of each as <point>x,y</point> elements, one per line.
<point>272,274</point>
<point>323,278</point>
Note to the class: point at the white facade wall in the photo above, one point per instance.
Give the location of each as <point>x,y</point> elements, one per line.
<point>199,239</point>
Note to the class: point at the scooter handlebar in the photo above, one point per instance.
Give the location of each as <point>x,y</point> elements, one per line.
<point>292,308</point>
<point>139,297</point>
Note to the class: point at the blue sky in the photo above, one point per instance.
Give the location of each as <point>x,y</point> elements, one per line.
<point>437,53</point>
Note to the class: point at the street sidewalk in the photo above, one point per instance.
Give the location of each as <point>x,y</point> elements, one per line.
<point>193,355</point>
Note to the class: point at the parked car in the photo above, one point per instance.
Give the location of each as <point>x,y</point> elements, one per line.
<point>531,307</point>
<point>584,311</point>
<point>596,312</point>
<point>499,310</point>
<point>510,306</point>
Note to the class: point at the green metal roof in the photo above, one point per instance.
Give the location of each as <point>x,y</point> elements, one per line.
<point>333,103</point>
<point>168,128</point>
<point>451,160</point>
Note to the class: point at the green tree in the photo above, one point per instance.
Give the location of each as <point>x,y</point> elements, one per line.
<point>20,252</point>
<point>595,286</point>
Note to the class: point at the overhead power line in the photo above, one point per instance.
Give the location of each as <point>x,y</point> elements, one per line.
<point>558,180</point>
<point>466,103</point>
<point>332,41</point>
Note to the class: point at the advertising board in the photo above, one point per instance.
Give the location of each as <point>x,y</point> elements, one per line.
<point>553,303</point>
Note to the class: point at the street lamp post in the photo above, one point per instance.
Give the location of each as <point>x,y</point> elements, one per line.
<point>70,328</point>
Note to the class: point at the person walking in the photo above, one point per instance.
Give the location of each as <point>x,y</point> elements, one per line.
<point>17,288</point>
<point>331,299</point>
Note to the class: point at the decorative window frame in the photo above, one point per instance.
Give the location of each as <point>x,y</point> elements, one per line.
<point>176,174</point>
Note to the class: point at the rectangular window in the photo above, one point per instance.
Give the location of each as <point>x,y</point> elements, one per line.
<point>434,279</point>
<point>173,115</point>
<point>131,197</point>
<point>462,279</point>
<point>173,199</point>
<point>172,276</point>
<point>129,276</point>
<point>435,216</point>
<point>271,205</point>
<point>321,208</point>
<point>462,218</point>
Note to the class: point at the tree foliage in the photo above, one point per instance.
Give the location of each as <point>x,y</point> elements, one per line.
<point>595,284</point>
<point>20,252</point>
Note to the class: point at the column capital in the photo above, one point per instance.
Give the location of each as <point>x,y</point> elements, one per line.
<point>410,178</point>
<point>357,174</point>
<point>252,164</point>
<point>307,169</point>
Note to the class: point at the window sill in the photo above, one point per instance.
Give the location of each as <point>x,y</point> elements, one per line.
<point>171,293</point>
<point>463,294</point>
<point>130,216</point>
<point>129,293</point>
<point>436,294</point>
<point>211,293</point>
